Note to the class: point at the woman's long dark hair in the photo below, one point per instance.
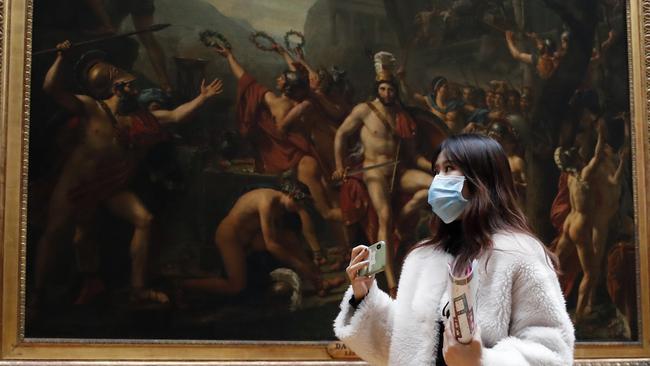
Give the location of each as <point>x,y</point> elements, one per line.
<point>492,207</point>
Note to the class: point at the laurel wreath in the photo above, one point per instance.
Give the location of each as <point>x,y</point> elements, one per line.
<point>211,39</point>
<point>287,40</point>
<point>255,39</point>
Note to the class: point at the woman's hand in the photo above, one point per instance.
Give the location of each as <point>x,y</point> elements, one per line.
<point>358,260</point>
<point>456,354</point>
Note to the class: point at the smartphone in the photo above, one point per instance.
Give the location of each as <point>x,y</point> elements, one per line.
<point>376,258</point>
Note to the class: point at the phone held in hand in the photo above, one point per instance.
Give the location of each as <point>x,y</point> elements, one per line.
<point>376,258</point>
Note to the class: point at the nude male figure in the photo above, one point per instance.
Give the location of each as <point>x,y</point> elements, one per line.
<point>322,112</point>
<point>607,186</point>
<point>579,224</point>
<point>115,135</point>
<point>285,109</point>
<point>380,145</point>
<point>257,222</point>
<point>546,59</point>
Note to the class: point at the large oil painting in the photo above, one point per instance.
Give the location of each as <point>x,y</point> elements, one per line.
<point>192,173</point>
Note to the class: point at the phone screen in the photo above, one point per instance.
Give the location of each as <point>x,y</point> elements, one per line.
<point>376,258</point>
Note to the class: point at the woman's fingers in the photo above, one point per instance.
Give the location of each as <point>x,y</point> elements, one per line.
<point>356,250</point>
<point>450,334</point>
<point>359,257</point>
<point>353,270</point>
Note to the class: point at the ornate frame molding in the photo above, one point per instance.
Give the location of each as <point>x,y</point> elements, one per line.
<point>15,75</point>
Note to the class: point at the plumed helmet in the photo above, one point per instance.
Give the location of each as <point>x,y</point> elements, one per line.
<point>385,64</point>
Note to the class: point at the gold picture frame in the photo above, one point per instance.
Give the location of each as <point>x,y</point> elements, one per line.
<point>15,55</point>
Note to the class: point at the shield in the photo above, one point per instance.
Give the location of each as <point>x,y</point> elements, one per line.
<point>431,131</point>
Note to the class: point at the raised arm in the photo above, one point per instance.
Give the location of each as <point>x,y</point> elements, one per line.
<point>351,124</point>
<point>54,84</point>
<point>367,329</point>
<point>599,152</point>
<point>514,51</point>
<point>611,37</point>
<point>303,62</point>
<point>406,90</point>
<point>235,67</point>
<point>604,47</point>
<point>285,55</point>
<point>183,112</point>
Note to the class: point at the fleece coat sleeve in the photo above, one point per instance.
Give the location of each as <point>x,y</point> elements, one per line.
<point>367,330</point>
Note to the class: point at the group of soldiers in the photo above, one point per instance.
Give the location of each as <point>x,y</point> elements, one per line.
<point>367,164</point>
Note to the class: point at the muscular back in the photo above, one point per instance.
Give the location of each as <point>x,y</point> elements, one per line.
<point>243,220</point>
<point>580,194</point>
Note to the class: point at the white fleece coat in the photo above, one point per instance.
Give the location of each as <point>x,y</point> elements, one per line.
<point>519,308</point>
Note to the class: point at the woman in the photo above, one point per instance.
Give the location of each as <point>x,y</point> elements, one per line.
<point>520,311</point>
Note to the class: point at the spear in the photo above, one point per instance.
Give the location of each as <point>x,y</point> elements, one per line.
<point>153,28</point>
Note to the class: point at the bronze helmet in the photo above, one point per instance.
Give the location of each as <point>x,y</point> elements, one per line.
<point>97,76</point>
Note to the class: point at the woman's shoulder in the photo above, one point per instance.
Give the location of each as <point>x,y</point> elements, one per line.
<point>518,245</point>
<point>424,250</point>
<point>425,261</point>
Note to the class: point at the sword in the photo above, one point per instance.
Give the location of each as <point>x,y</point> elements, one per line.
<point>153,28</point>
<point>371,167</point>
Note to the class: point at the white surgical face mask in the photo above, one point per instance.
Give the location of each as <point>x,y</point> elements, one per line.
<point>446,197</point>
